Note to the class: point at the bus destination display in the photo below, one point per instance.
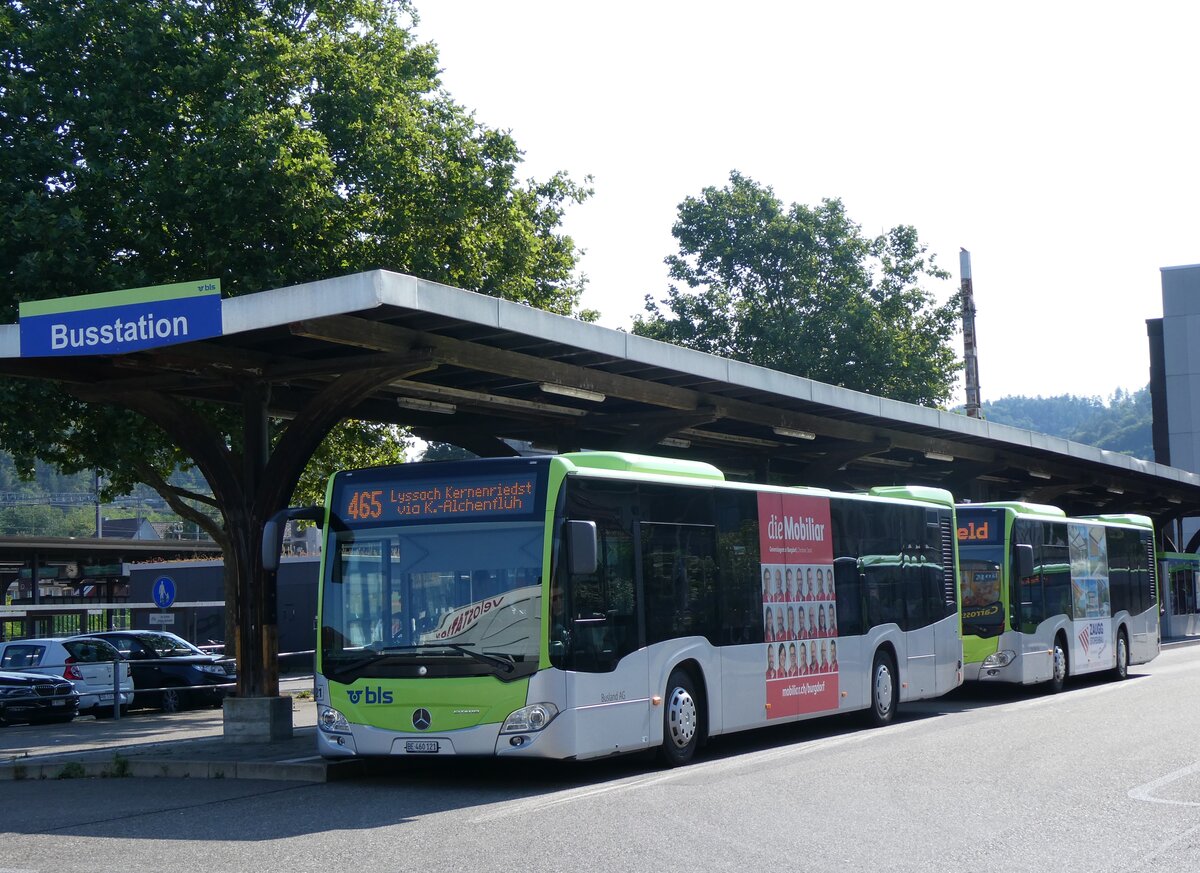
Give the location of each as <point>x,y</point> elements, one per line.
<point>440,499</point>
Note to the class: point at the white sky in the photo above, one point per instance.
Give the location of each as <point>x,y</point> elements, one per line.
<point>1058,142</point>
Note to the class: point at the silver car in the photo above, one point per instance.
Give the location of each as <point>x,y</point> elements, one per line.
<point>86,661</point>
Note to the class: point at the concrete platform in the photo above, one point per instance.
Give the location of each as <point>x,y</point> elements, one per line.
<point>293,759</point>
<point>192,744</point>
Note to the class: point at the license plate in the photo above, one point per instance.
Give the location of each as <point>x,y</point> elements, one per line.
<point>424,747</point>
<point>58,703</point>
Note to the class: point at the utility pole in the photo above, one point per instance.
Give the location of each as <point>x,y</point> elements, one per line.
<point>970,345</point>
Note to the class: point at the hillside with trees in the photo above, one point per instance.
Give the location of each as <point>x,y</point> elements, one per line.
<point>1122,423</point>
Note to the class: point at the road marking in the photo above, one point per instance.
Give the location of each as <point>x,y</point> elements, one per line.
<point>286,761</point>
<point>1146,792</point>
<point>1166,847</point>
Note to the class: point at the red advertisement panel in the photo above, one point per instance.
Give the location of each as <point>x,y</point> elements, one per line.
<point>799,604</point>
<point>794,529</point>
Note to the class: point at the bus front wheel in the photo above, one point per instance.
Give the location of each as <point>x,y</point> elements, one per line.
<point>1121,671</point>
<point>885,689</point>
<point>1061,667</point>
<point>681,720</point>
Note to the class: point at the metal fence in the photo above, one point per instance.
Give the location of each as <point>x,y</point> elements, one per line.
<point>182,695</point>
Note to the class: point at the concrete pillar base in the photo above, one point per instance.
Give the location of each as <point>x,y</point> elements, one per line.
<point>258,719</point>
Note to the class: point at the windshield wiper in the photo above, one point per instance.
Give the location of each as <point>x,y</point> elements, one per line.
<point>379,651</point>
<point>504,661</point>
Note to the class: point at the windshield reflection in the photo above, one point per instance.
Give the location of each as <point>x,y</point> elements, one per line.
<point>469,592</point>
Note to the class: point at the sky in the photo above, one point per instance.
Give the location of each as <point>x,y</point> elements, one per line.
<point>1057,142</point>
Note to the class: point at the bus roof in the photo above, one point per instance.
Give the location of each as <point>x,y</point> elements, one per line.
<point>1130,519</point>
<point>1018,507</point>
<point>624,462</point>
<point>922,493</point>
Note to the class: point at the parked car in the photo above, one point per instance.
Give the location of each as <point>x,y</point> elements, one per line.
<point>35,699</point>
<point>87,662</point>
<point>184,674</point>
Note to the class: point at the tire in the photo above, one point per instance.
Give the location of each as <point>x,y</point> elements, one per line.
<point>885,689</point>
<point>170,700</point>
<point>1061,666</point>
<point>682,720</point>
<point>1121,670</point>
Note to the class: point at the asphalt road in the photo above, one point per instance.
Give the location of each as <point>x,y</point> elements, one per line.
<point>1105,776</point>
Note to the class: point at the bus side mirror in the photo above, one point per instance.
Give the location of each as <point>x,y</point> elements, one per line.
<point>272,539</point>
<point>581,548</point>
<point>1024,561</point>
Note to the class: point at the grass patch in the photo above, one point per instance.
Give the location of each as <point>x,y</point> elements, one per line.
<point>73,770</point>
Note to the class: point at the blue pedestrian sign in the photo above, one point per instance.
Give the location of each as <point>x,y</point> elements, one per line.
<point>164,591</point>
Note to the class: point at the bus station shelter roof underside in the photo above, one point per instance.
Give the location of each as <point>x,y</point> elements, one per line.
<point>100,551</point>
<point>482,372</point>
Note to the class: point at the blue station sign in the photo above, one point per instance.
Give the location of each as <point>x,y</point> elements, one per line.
<point>116,322</point>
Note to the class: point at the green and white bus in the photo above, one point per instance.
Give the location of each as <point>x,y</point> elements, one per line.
<point>598,603</point>
<point>1045,596</point>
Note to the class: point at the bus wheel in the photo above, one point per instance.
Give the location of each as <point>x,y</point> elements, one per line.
<point>885,690</point>
<point>681,720</point>
<point>1121,671</point>
<point>1061,667</point>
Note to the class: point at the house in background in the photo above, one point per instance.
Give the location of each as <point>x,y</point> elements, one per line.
<point>128,529</point>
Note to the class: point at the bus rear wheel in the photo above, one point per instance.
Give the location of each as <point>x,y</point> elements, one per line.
<point>885,689</point>
<point>1061,666</point>
<point>1121,671</point>
<point>681,720</point>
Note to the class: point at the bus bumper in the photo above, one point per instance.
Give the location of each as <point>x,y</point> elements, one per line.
<point>369,741</point>
<point>556,740</point>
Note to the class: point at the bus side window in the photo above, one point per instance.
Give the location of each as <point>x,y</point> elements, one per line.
<point>848,588</point>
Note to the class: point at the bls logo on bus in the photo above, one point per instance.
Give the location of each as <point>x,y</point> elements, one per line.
<point>372,695</point>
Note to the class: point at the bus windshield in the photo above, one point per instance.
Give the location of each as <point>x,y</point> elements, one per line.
<point>468,595</point>
<point>982,608</point>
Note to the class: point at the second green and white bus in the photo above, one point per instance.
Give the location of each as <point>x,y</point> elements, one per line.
<point>592,604</point>
<point>1045,596</point>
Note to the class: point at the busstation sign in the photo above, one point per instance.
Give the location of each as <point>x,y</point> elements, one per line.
<point>116,322</point>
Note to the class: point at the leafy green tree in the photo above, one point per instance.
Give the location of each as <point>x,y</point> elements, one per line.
<point>262,142</point>
<point>800,289</point>
<point>350,445</point>
<point>446,452</point>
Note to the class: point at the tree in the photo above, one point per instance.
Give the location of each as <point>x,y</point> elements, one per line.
<point>800,289</point>
<point>262,142</point>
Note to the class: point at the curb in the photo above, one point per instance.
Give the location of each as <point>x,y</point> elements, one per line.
<point>118,767</point>
<point>1180,643</point>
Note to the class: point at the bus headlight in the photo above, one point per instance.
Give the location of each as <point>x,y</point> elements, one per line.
<point>999,659</point>
<point>332,722</point>
<point>529,718</point>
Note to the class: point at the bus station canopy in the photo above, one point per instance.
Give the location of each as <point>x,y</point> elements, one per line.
<point>487,374</point>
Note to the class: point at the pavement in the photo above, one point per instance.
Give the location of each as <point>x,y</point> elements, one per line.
<point>188,744</point>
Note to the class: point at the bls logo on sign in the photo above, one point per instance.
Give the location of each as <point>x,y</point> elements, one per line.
<point>372,695</point>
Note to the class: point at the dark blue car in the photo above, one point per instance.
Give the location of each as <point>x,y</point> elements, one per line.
<point>169,672</point>
<point>34,698</point>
